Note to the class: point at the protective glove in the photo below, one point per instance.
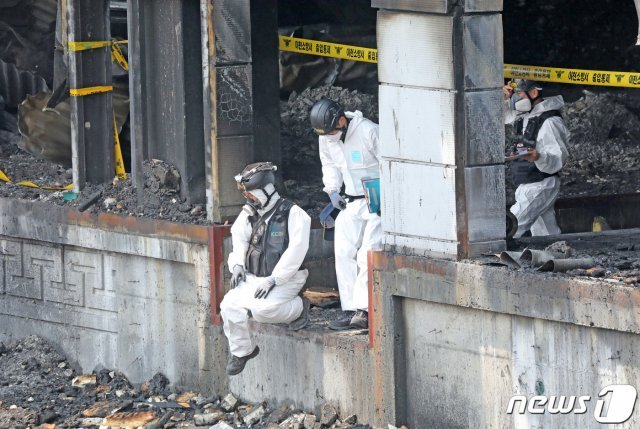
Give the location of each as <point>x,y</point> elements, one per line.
<point>337,201</point>
<point>238,275</point>
<point>265,284</point>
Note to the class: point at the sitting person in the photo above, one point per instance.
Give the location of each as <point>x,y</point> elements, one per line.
<point>270,241</point>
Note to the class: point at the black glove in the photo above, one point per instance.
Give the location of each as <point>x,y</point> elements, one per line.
<point>238,275</point>
<point>265,284</point>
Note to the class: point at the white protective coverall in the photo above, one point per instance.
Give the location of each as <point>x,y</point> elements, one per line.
<point>356,231</point>
<point>282,304</point>
<point>534,201</point>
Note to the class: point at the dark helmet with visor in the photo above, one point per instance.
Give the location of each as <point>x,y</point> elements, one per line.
<point>324,116</point>
<point>256,176</point>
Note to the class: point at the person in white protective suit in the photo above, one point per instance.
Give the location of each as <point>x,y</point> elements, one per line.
<point>270,240</point>
<point>349,153</point>
<point>542,146</point>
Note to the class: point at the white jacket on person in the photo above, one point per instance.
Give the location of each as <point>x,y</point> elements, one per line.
<point>353,160</point>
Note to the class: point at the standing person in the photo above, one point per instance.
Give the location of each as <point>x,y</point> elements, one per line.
<point>349,153</point>
<point>543,136</point>
<point>270,241</point>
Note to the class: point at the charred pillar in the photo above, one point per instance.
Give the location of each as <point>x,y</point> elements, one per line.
<point>91,115</point>
<point>241,94</point>
<point>441,136</point>
<point>166,90</point>
<point>441,133</point>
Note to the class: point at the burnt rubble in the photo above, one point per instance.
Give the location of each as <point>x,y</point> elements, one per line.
<point>604,158</point>
<point>40,388</point>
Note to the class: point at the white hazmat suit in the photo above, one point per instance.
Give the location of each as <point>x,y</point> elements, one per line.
<point>534,201</point>
<point>282,304</point>
<point>356,230</point>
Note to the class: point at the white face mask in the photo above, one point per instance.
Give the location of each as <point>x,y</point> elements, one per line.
<point>334,138</point>
<point>520,104</point>
<point>523,105</point>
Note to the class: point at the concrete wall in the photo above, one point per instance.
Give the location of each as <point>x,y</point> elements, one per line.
<point>455,341</point>
<point>108,294</point>
<point>135,295</point>
<point>308,369</point>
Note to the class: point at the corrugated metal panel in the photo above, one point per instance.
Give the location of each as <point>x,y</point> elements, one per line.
<point>483,58</point>
<point>15,84</point>
<point>418,200</point>
<point>421,134</point>
<point>415,49</point>
<point>44,12</point>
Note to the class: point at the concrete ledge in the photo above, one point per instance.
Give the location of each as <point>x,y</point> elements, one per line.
<point>543,296</point>
<point>308,369</point>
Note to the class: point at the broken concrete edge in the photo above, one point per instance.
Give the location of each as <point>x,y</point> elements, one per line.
<point>353,340</point>
<point>586,302</point>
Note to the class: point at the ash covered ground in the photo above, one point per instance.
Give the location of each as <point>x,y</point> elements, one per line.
<point>604,157</point>
<point>39,387</point>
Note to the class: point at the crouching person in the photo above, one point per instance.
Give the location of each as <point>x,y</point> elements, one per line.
<point>270,241</point>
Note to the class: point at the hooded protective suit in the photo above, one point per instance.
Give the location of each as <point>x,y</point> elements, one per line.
<point>356,230</point>
<point>282,304</point>
<point>534,201</point>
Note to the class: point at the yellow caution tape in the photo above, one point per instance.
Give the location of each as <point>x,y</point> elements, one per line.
<point>116,52</point>
<point>327,49</point>
<point>120,172</point>
<point>81,92</point>
<point>546,74</point>
<point>574,76</point>
<point>83,46</point>
<point>28,184</point>
<point>118,57</point>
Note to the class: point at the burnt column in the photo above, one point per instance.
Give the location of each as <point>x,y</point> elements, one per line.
<point>241,90</point>
<point>91,115</point>
<point>166,90</point>
<point>441,128</point>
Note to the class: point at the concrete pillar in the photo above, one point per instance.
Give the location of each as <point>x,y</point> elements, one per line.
<point>91,115</point>
<point>241,87</point>
<point>166,90</point>
<point>441,133</point>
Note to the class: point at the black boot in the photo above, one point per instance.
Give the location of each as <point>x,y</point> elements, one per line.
<point>342,322</point>
<point>236,364</point>
<point>360,320</point>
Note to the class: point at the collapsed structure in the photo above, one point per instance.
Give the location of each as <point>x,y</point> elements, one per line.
<point>143,295</point>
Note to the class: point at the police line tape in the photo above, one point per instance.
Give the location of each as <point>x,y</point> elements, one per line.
<point>29,184</point>
<point>512,71</point>
<point>118,57</point>
<point>573,76</point>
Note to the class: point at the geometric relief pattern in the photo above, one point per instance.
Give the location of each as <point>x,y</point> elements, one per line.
<point>55,274</point>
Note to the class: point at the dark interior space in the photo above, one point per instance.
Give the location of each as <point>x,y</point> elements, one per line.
<point>585,34</point>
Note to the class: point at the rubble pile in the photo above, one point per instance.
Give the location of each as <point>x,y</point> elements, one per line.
<point>616,261</point>
<point>161,196</point>
<point>39,388</point>
<point>301,161</point>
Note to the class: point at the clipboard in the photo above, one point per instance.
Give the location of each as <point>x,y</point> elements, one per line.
<point>372,194</point>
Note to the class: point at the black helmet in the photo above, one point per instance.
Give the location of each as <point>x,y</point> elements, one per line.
<point>256,176</point>
<point>525,85</point>
<point>324,116</point>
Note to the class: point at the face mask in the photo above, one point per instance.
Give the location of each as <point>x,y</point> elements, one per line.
<point>521,104</point>
<point>334,138</point>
